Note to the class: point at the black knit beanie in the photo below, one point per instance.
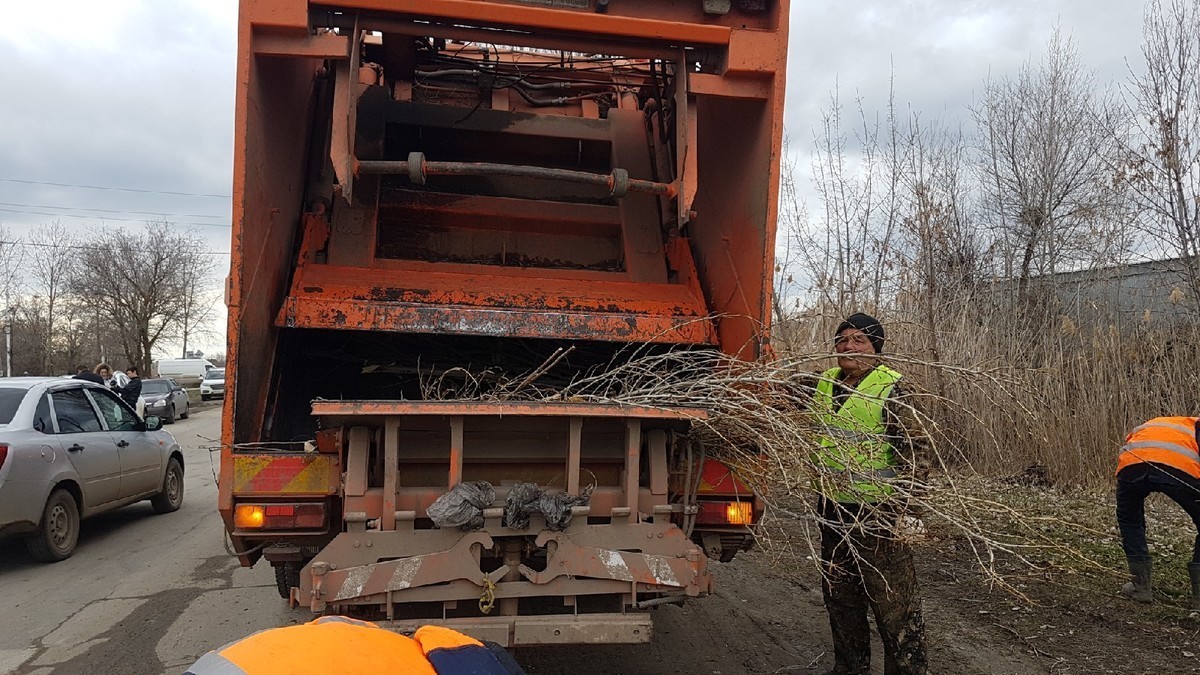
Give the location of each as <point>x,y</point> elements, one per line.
<point>868,325</point>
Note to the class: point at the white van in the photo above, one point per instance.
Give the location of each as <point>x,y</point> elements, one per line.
<point>187,372</point>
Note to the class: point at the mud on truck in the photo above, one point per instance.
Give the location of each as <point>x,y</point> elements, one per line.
<point>425,187</point>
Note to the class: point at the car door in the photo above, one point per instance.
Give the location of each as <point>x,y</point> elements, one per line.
<point>179,396</point>
<point>141,453</point>
<point>88,446</point>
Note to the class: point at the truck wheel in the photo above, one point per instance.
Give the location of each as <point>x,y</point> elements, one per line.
<point>171,497</point>
<point>58,532</point>
<point>287,577</point>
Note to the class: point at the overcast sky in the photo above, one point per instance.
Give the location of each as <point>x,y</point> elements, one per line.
<point>138,94</point>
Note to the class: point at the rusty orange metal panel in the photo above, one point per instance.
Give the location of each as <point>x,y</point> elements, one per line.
<point>567,21</point>
<point>348,298</point>
<point>327,46</point>
<point>273,14</point>
<point>285,474</point>
<point>313,312</point>
<point>500,408</point>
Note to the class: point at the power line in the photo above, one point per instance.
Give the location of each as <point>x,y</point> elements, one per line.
<point>94,217</point>
<point>83,248</point>
<point>115,189</point>
<point>83,208</point>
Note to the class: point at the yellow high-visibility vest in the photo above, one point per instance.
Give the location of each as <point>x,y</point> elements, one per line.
<point>854,447</point>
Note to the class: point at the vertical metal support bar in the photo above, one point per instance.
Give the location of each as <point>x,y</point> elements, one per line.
<point>391,472</point>
<point>574,451</point>
<point>682,148</point>
<point>512,558</point>
<point>345,117</point>
<point>456,449</point>
<point>656,444</point>
<point>633,464</point>
<point>357,460</point>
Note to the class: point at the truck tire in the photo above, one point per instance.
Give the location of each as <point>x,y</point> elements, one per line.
<point>171,497</point>
<point>58,533</point>
<point>287,577</point>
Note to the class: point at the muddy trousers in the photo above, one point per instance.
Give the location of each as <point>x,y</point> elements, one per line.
<point>1134,483</point>
<point>864,569</point>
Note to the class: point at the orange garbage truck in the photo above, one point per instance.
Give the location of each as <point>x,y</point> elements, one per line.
<point>431,193</point>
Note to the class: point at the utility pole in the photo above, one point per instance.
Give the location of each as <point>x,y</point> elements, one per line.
<point>8,346</point>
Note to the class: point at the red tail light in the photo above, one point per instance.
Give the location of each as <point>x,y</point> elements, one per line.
<point>300,516</point>
<point>726,513</point>
<point>3,454</point>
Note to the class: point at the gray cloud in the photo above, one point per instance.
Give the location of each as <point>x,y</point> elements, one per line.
<point>941,50</point>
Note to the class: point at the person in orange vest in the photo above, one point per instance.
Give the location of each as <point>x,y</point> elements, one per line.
<point>338,645</point>
<point>1162,455</point>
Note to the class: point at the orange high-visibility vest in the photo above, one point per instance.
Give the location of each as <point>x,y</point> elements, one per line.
<point>1163,440</point>
<point>338,645</point>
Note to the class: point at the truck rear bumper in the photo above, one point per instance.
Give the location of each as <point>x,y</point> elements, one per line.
<point>533,631</point>
<point>588,584</point>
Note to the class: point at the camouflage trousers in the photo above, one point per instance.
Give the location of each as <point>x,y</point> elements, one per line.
<point>864,568</point>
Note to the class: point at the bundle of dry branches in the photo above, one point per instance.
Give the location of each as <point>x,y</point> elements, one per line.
<point>762,424</point>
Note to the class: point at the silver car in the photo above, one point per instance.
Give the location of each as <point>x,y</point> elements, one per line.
<point>70,449</point>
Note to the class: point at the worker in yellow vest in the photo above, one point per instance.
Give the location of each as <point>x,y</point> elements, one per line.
<point>1162,455</point>
<point>872,455</point>
<point>337,645</point>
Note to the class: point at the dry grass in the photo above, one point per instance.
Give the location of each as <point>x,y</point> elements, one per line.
<point>1072,389</point>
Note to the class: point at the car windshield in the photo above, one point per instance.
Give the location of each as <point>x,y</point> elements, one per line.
<point>10,400</point>
<point>215,374</point>
<point>156,387</point>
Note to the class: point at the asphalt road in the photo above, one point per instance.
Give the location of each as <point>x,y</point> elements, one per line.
<point>143,593</point>
<point>148,594</point>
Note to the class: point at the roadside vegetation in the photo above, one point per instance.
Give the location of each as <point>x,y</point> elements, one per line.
<point>111,294</point>
<point>1035,261</point>
<point>1036,264</point>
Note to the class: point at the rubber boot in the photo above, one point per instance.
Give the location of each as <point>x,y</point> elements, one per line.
<point>1139,588</point>
<point>1194,574</point>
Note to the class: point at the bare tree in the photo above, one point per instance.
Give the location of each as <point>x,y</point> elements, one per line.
<point>12,281</point>
<point>198,303</point>
<point>1161,163</point>
<point>937,238</point>
<point>1046,157</point>
<point>140,282</point>
<point>53,257</point>
<point>849,246</point>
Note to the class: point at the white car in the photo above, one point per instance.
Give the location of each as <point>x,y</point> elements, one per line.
<point>213,384</point>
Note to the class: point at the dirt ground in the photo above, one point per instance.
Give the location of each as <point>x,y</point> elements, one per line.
<point>767,615</point>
